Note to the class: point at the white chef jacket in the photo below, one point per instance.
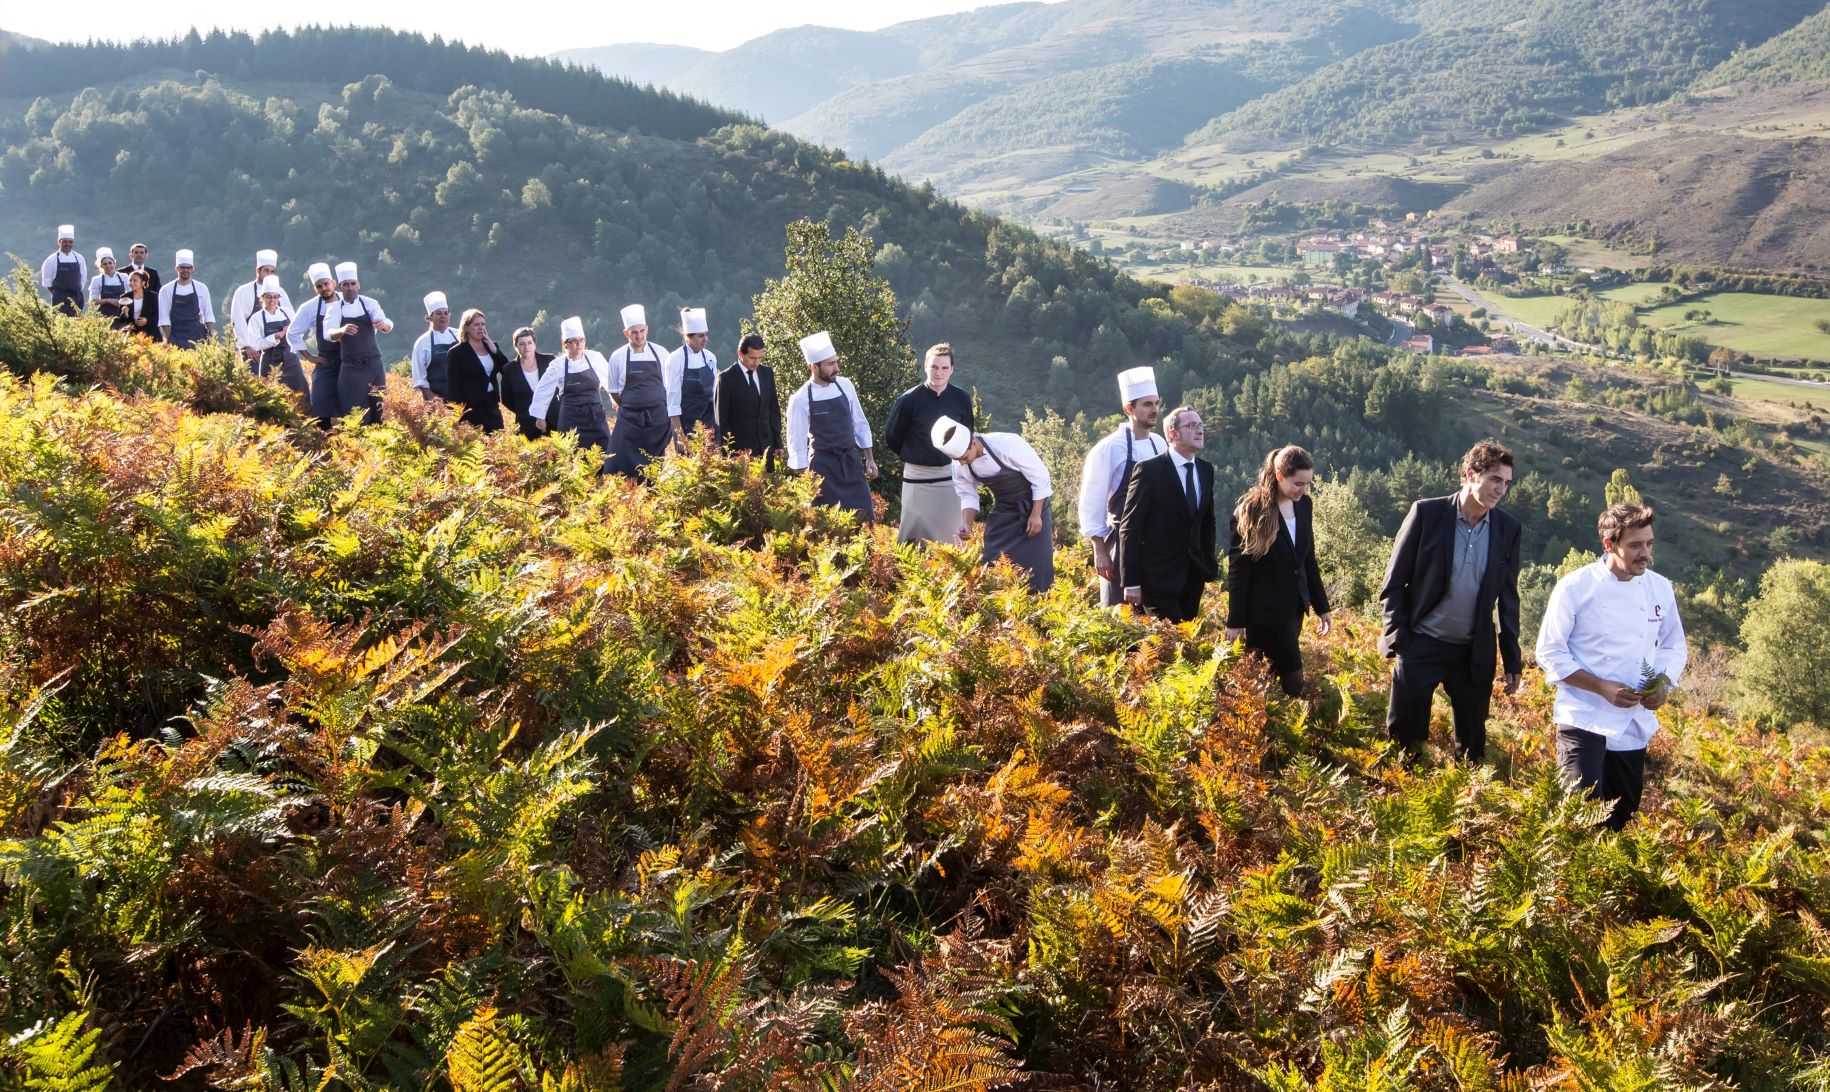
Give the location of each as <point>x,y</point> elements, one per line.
<point>422,352</point>
<point>205,314</point>
<point>258,339</point>
<point>247,298</point>
<point>1609,627</point>
<point>48,271</point>
<point>1016,454</point>
<point>674,374</point>
<point>336,310</point>
<point>1104,474</point>
<point>618,365</point>
<point>800,435</point>
<point>550,384</point>
<point>119,280</point>
<point>305,322</point>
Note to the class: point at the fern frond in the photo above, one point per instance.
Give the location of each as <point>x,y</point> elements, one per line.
<point>482,1058</point>
<point>65,1056</point>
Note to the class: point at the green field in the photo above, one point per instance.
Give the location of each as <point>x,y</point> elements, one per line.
<point>1638,294</point>
<point>1782,326</point>
<point>1587,253</point>
<point>1761,390</point>
<point>1536,310</point>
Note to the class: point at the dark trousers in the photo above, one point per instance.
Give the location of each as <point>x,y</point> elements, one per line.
<point>1619,776</point>
<point>1281,644</point>
<point>1177,606</point>
<point>1423,664</point>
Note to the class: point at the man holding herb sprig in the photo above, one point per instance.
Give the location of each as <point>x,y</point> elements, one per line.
<point>1613,644</point>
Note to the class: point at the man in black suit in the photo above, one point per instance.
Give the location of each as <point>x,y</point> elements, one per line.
<point>1167,547</point>
<point>745,405</point>
<point>1455,560</point>
<point>136,260</point>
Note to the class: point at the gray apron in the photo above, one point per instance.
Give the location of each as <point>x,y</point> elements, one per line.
<point>835,455</point>
<point>187,319</point>
<point>642,427</point>
<point>438,367</point>
<point>363,370</point>
<point>930,507</point>
<point>696,394</point>
<point>1009,518</point>
<point>280,359</point>
<point>581,410</point>
<point>324,375</point>
<point>109,297</point>
<point>67,286</point>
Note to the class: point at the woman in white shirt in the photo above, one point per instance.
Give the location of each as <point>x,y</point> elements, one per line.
<point>575,380</point>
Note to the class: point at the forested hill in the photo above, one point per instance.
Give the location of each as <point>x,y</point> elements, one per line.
<point>1802,53</point>
<point>627,195</point>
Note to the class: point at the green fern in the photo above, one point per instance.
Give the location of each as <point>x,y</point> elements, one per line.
<point>482,1058</point>
<point>64,1056</point>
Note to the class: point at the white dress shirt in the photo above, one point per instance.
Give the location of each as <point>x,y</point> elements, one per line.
<point>618,372</point>
<point>422,352</point>
<point>1104,474</point>
<point>674,374</point>
<point>1016,454</point>
<point>1599,623</point>
<point>1176,459</point>
<point>48,271</point>
<point>246,300</point>
<point>800,435</point>
<point>169,289</point>
<point>550,384</point>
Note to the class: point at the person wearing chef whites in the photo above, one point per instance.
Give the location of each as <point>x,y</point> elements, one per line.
<point>1108,467</point>
<point>109,291</point>
<point>267,336</point>
<point>1020,526</point>
<point>327,360</point>
<point>827,432</point>
<point>245,305</point>
<point>476,366</point>
<point>431,353</point>
<point>637,384</point>
<point>692,373</point>
<point>1612,642</point>
<point>185,315</point>
<point>574,382</point>
<point>352,320</point>
<point>64,273</point>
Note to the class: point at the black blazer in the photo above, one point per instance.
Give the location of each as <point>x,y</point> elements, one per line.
<point>149,310</point>
<point>478,392</point>
<point>1418,578</point>
<point>1281,586</point>
<point>518,395</point>
<point>1160,549</point>
<point>153,280</point>
<point>746,423</point>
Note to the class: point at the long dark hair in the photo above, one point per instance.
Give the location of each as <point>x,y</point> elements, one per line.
<point>1256,513</point>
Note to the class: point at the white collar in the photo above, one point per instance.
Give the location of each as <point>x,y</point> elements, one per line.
<point>1180,462</point>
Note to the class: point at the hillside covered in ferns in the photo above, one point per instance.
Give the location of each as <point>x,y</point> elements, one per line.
<point>411,758</point>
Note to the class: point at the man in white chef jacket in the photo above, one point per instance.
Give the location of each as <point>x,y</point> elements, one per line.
<point>1613,644</point>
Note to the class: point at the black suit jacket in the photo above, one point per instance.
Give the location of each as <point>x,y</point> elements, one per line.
<point>745,422</point>
<point>1283,584</point>
<point>153,280</point>
<point>149,310</point>
<point>469,386</point>
<point>518,395</point>
<point>1161,549</point>
<point>1418,578</point>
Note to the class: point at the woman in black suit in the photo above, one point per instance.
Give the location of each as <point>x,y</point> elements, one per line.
<point>518,381</point>
<point>1272,578</point>
<point>474,373</point>
<point>140,312</point>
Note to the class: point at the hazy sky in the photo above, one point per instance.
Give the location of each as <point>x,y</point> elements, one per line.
<point>521,26</point>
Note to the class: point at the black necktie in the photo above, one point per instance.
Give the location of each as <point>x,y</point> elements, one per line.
<point>755,384</point>
<point>1188,485</point>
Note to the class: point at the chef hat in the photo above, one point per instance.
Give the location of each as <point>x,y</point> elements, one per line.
<point>319,271</point>
<point>818,347</point>
<point>1135,384</point>
<point>435,301</point>
<point>184,257</point>
<point>951,438</point>
<point>346,271</point>
<point>66,231</point>
<point>102,252</point>
<point>634,315</point>
<point>270,286</point>
<point>571,328</point>
<point>692,320</point>
<point>266,257</point>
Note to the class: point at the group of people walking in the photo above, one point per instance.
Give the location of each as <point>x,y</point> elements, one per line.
<point>1146,506</point>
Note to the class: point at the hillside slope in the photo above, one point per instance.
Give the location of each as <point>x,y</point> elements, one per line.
<point>1799,55</point>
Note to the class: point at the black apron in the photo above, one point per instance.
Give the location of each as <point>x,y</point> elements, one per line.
<point>280,359</point>
<point>581,408</point>
<point>187,319</point>
<point>325,374</point>
<point>642,427</point>
<point>696,394</point>
<point>118,316</point>
<point>67,286</point>
<point>363,370</point>
<point>1110,594</point>
<point>438,367</point>
<point>1009,519</point>
<point>835,455</point>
